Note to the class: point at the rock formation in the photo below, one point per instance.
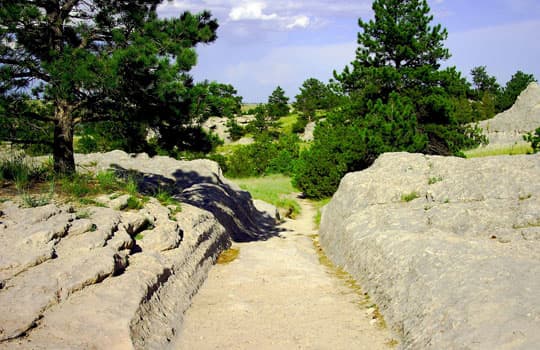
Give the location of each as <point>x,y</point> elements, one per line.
<point>101,278</point>
<point>507,128</point>
<point>449,248</point>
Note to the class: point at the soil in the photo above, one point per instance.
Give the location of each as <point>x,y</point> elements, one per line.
<point>282,294</point>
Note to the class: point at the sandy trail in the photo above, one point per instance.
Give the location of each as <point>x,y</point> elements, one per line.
<point>277,295</point>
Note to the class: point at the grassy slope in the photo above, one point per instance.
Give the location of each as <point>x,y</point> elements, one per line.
<point>498,151</point>
<point>274,189</point>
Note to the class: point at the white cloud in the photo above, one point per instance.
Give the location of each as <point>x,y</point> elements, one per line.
<point>251,11</point>
<point>299,21</point>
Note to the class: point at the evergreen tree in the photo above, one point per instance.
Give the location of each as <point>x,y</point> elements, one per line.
<point>513,89</point>
<point>278,103</point>
<point>483,82</point>
<point>399,51</point>
<point>314,95</point>
<point>97,60</point>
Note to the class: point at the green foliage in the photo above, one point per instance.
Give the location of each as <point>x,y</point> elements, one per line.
<point>215,100</point>
<point>434,179</point>
<point>513,88</point>
<point>407,197</point>
<point>264,156</point>
<point>273,189</point>
<point>314,95</point>
<point>483,82</point>
<point>264,123</point>
<point>278,103</point>
<point>114,61</point>
<point>300,125</point>
<point>134,203</point>
<point>534,140</point>
<point>498,151</point>
<point>345,143</point>
<point>400,53</point>
<point>236,132</point>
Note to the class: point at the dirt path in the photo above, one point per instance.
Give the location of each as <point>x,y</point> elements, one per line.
<point>277,295</point>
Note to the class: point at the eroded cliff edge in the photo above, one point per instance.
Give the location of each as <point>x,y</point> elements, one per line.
<point>97,277</point>
<point>448,247</point>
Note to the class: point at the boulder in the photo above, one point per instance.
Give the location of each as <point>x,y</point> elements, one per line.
<point>267,209</point>
<point>449,248</point>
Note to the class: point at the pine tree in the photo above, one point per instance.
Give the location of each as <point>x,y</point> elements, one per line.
<point>278,103</point>
<point>96,60</point>
<point>401,52</point>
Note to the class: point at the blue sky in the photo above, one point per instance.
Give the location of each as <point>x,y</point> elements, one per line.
<point>265,43</point>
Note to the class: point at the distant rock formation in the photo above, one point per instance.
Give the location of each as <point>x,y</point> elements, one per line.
<point>101,278</point>
<point>507,128</point>
<point>449,248</point>
<point>218,126</point>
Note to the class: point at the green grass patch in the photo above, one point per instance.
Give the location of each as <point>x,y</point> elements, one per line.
<point>273,189</point>
<point>227,149</point>
<point>286,123</point>
<point>318,206</point>
<point>499,151</point>
<point>407,197</point>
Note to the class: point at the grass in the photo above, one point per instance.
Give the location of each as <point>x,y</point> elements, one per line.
<point>286,123</point>
<point>273,189</point>
<point>36,185</point>
<point>499,151</point>
<point>407,197</point>
<point>318,206</point>
<point>433,180</point>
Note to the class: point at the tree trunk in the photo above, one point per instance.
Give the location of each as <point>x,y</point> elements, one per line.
<point>64,161</point>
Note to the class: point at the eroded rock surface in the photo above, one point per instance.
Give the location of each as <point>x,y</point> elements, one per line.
<point>197,182</point>
<point>103,278</point>
<point>507,128</point>
<point>448,247</point>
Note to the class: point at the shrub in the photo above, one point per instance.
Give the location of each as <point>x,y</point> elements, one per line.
<point>346,142</point>
<point>534,140</point>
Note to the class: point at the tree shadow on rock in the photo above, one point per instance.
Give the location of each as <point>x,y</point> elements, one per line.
<point>232,207</point>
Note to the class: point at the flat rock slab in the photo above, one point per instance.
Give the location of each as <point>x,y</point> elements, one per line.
<point>78,283</point>
<point>448,247</point>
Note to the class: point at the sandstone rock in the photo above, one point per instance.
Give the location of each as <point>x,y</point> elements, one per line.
<point>507,128</point>
<point>267,209</point>
<point>95,291</point>
<point>198,182</point>
<point>447,247</point>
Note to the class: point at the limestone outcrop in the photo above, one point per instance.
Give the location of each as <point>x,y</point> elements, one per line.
<point>507,128</point>
<point>449,248</point>
<point>197,182</point>
<point>93,277</point>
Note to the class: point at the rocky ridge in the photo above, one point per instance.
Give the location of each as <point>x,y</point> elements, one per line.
<point>99,277</point>
<point>507,128</point>
<point>449,248</point>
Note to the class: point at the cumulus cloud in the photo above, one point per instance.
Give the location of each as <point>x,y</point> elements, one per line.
<point>251,11</point>
<point>256,11</point>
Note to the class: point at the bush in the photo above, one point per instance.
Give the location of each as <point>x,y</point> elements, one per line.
<point>346,142</point>
<point>300,126</point>
<point>265,156</point>
<point>534,140</point>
